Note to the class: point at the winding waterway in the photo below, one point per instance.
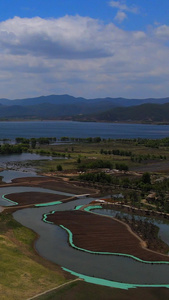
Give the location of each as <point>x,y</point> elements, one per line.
<point>53,245</point>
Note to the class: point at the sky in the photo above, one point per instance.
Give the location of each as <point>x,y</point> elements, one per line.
<point>96,48</point>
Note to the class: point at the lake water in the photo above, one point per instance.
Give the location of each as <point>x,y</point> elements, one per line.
<point>11,130</point>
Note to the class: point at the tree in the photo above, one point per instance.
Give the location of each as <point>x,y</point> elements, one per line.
<point>33,143</point>
<point>146,178</point>
<point>78,160</point>
<point>59,168</point>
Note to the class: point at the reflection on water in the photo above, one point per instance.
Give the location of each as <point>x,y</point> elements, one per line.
<point>53,245</point>
<point>22,157</point>
<point>9,175</point>
<point>162,224</point>
<point>24,189</point>
<point>58,129</point>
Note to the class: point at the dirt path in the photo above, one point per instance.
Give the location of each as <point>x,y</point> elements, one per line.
<point>55,288</point>
<point>103,234</point>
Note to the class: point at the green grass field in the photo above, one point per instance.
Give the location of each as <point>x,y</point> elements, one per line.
<point>22,272</point>
<point>82,291</point>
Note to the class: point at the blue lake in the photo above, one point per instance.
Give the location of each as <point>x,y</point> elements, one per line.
<point>11,130</point>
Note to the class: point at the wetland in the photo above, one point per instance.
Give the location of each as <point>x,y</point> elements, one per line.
<point>101,169</point>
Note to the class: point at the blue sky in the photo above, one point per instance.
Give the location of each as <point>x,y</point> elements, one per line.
<point>84,48</point>
<point>149,11</point>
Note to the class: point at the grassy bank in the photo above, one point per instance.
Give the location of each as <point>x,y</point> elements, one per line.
<point>82,291</point>
<point>22,273</point>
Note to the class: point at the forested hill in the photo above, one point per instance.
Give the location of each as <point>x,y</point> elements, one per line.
<point>145,113</point>
<point>70,100</point>
<point>60,107</point>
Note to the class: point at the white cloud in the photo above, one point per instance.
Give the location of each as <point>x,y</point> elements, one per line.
<point>162,31</point>
<point>120,16</point>
<point>83,57</point>
<point>68,37</point>
<point>122,6</point>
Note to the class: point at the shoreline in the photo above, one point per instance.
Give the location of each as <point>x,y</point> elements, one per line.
<point>85,121</point>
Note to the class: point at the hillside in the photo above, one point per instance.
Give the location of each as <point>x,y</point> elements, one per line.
<point>148,113</point>
<point>70,100</point>
<point>60,107</point>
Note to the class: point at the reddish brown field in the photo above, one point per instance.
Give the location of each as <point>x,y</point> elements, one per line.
<point>27,198</point>
<point>103,234</point>
<point>56,184</point>
<point>53,183</point>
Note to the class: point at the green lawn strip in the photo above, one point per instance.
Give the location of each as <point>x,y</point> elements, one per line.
<point>78,207</point>
<point>88,208</point>
<point>70,234</point>
<point>48,204</point>
<point>13,202</point>
<point>109,253</point>
<point>108,283</point>
<point>21,276</point>
<point>81,290</point>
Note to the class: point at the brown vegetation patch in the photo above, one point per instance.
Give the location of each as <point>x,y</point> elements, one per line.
<point>56,184</point>
<point>27,198</point>
<point>103,234</point>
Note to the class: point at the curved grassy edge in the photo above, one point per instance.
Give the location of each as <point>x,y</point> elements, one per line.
<point>4,198</point>
<point>78,207</point>
<point>88,208</point>
<point>48,204</point>
<point>102,253</point>
<point>36,205</point>
<point>113,284</point>
<point>44,219</point>
<point>101,281</point>
<point>109,253</point>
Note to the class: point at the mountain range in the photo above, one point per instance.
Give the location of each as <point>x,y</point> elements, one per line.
<point>58,107</point>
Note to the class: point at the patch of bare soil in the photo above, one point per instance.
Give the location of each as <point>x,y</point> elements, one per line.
<point>34,198</point>
<point>103,234</point>
<point>57,184</point>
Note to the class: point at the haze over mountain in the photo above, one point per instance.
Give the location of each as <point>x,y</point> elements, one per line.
<point>144,113</point>
<point>56,107</point>
<point>67,99</point>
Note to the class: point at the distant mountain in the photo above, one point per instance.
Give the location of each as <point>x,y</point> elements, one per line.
<point>57,107</point>
<point>147,113</point>
<point>67,99</point>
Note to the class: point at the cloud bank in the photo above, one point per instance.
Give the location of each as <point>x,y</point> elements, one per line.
<point>83,57</point>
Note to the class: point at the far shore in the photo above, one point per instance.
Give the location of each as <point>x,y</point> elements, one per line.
<point>85,121</point>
